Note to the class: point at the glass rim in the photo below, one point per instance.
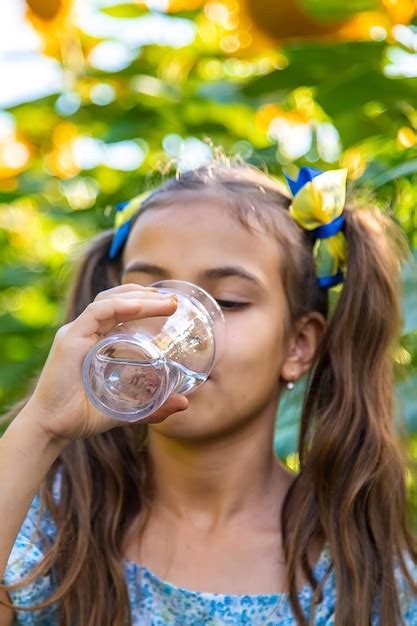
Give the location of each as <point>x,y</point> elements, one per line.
<point>191,287</point>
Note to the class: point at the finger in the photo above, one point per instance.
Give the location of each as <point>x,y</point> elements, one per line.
<point>98,313</point>
<point>106,326</point>
<point>134,295</point>
<point>127,287</point>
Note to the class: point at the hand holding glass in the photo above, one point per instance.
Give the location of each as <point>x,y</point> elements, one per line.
<point>133,369</point>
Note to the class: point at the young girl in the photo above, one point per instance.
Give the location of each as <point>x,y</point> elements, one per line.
<point>190,518</point>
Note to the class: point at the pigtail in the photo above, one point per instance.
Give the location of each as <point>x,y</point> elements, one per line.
<point>94,490</point>
<point>99,500</point>
<point>351,486</point>
<point>94,273</point>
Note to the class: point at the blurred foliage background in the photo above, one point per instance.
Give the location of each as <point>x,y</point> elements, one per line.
<point>136,87</point>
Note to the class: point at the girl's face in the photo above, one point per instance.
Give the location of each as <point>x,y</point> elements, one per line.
<point>200,241</point>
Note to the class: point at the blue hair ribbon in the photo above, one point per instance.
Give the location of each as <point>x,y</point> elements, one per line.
<point>317,206</point>
<point>328,230</point>
<point>125,212</point>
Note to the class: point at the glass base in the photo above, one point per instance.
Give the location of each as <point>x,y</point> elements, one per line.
<point>125,378</point>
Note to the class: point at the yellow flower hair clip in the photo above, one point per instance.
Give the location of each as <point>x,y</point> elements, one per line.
<point>125,211</point>
<point>317,206</point>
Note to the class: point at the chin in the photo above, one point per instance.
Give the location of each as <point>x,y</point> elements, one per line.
<point>190,424</point>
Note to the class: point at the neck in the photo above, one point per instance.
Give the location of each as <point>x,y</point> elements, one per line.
<point>210,484</point>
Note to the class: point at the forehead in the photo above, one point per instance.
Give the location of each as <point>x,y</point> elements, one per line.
<point>199,233</point>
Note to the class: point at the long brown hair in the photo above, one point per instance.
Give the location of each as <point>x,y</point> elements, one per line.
<point>350,490</point>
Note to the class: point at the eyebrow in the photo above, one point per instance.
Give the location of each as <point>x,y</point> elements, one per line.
<point>210,274</point>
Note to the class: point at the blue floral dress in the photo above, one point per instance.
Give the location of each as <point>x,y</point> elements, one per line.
<point>155,602</point>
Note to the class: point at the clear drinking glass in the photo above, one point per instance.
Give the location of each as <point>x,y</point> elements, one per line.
<point>133,369</point>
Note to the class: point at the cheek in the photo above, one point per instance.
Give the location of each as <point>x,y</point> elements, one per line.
<point>253,350</point>
<point>243,382</point>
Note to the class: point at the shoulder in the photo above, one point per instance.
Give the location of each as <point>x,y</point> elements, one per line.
<point>35,536</point>
<point>30,545</point>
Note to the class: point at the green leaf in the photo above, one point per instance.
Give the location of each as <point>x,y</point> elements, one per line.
<point>318,64</point>
<point>331,10</point>
<point>357,86</point>
<point>288,419</point>
<point>18,276</point>
<point>403,169</point>
<point>125,10</point>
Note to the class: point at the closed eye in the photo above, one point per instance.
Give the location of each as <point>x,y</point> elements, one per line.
<point>230,305</point>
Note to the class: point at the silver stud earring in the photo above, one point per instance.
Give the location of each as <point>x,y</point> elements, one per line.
<point>290,385</point>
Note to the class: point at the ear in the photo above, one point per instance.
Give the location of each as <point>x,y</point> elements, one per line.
<point>305,338</point>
